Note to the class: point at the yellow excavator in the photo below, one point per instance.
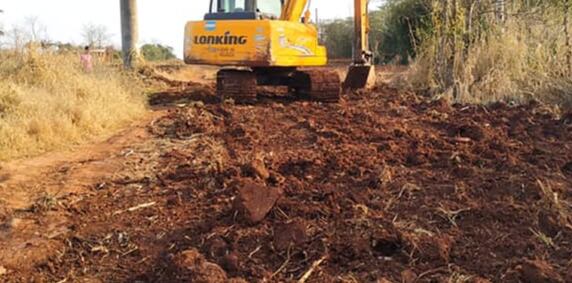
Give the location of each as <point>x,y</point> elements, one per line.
<point>274,43</point>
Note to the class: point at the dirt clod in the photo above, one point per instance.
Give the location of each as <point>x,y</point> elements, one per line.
<point>567,119</point>
<point>3,271</point>
<point>538,271</point>
<point>441,105</point>
<point>231,262</point>
<point>254,201</point>
<point>477,279</point>
<point>567,168</point>
<point>217,247</point>
<point>194,264</point>
<point>569,273</point>
<point>258,169</point>
<point>472,131</point>
<point>290,234</point>
<point>548,223</point>
<point>408,276</point>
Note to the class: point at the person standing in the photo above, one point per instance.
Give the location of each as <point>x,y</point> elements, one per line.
<point>87,60</point>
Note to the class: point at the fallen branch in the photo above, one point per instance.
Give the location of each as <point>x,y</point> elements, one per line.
<point>315,265</point>
<point>431,272</point>
<point>255,251</point>
<point>135,208</point>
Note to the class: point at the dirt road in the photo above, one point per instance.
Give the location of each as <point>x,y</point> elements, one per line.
<point>382,187</point>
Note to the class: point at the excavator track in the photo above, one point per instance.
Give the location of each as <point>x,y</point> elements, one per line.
<point>239,85</point>
<point>317,84</point>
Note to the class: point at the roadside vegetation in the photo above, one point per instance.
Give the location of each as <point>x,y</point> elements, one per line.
<point>48,102</point>
<point>472,51</point>
<point>157,52</point>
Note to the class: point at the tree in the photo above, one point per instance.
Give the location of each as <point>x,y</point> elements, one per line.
<point>397,29</point>
<point>567,42</point>
<point>337,35</point>
<point>500,10</point>
<point>35,29</point>
<point>157,52</point>
<point>1,28</point>
<point>96,35</point>
<point>16,37</point>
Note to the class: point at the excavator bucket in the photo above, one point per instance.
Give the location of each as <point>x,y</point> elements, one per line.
<point>360,77</point>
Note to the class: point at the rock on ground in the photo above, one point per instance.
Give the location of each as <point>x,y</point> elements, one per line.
<point>538,271</point>
<point>193,263</point>
<point>254,201</point>
<point>293,233</point>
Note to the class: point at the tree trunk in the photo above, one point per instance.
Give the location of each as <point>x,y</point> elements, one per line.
<point>1,31</point>
<point>453,45</point>
<point>469,36</point>
<point>500,11</point>
<point>442,46</point>
<point>567,36</point>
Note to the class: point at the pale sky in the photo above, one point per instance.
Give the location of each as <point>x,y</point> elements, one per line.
<point>158,23</point>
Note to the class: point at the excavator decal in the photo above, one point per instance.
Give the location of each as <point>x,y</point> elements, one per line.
<point>226,39</point>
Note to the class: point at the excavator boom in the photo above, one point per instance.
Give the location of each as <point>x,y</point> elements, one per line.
<point>293,10</point>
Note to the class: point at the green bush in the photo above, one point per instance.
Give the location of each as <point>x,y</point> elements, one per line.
<point>157,52</point>
<point>337,36</point>
<point>397,28</point>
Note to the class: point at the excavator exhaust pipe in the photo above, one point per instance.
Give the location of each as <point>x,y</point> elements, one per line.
<point>360,77</point>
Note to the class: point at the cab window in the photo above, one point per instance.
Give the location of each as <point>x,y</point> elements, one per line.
<point>245,9</point>
<point>229,6</point>
<point>273,7</point>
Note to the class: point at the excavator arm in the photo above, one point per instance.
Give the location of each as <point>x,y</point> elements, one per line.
<point>361,73</point>
<point>293,10</point>
<point>363,54</point>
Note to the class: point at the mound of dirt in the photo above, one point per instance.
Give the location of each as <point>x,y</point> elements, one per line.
<point>538,271</point>
<point>381,187</point>
<point>184,123</point>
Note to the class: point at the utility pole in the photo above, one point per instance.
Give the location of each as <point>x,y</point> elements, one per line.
<point>129,33</point>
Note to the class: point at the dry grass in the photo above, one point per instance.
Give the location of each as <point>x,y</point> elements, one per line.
<point>208,155</point>
<point>523,61</point>
<point>552,201</point>
<point>47,102</point>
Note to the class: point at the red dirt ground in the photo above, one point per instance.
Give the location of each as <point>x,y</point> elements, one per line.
<point>381,187</point>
